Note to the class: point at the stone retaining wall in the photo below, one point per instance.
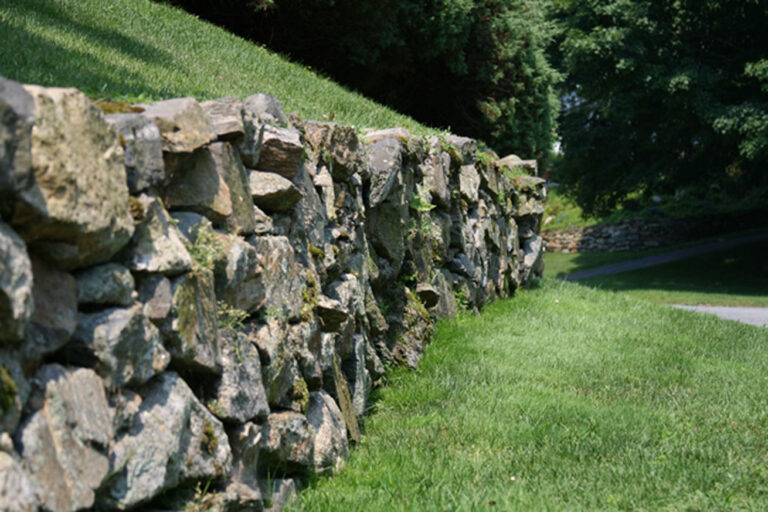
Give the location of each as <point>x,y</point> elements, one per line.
<point>201,296</point>
<point>639,234</point>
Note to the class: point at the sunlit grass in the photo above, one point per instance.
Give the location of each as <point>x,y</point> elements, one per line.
<point>567,398</point>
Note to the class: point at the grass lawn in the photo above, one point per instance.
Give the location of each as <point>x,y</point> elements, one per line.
<point>137,50</point>
<point>568,398</point>
<point>735,277</point>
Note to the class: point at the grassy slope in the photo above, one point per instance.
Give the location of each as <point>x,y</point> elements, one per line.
<point>139,50</point>
<point>590,400</point>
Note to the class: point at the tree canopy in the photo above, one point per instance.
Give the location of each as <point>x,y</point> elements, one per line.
<point>662,96</point>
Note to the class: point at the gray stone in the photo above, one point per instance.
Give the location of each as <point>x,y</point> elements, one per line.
<point>238,274</point>
<point>386,230</point>
<point>337,386</point>
<point>157,245</point>
<point>446,305</point>
<point>16,121</point>
<point>245,441</point>
<point>341,145</point>
<point>436,170</point>
<point>16,491</point>
<point>258,111</point>
<point>350,293</point>
<point>16,303</point>
<point>514,162</point>
<point>390,133</point>
<point>357,375</point>
<point>63,443</point>
<point>128,349</point>
<point>109,284</point>
<point>190,331</point>
<point>532,262</point>
<point>77,209</point>
<point>190,223</point>
<point>281,276</point>
<point>226,117</point>
<point>157,296</point>
<point>197,184</point>
<point>385,161</point>
<point>281,372</point>
<point>467,147</point>
<point>287,444</point>
<point>239,396</point>
<point>242,221</point>
<point>183,125</point>
<point>55,312</point>
<point>271,192</point>
<point>143,149</point>
<point>264,225</point>
<point>281,151</point>
<point>330,432</point>
<point>331,313</point>
<point>173,440</point>
<point>469,183</point>
<point>14,391</point>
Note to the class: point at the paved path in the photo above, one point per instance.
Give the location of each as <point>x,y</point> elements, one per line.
<point>666,257</point>
<point>754,316</point>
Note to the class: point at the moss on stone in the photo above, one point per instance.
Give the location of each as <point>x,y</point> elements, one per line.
<point>118,107</point>
<point>8,390</point>
<point>300,395</point>
<point>209,442</point>
<point>316,252</point>
<point>135,208</point>
<point>310,296</point>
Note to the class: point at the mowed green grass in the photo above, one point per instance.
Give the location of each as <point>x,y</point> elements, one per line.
<point>568,398</point>
<point>137,50</point>
<point>734,277</point>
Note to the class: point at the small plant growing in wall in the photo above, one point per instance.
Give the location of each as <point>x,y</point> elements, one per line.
<point>206,249</point>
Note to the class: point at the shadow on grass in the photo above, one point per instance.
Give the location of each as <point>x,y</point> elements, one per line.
<point>741,271</point>
<point>42,61</point>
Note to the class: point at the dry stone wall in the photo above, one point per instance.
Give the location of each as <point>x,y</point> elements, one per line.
<point>203,295</point>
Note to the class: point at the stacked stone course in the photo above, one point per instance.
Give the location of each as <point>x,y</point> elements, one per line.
<point>202,296</point>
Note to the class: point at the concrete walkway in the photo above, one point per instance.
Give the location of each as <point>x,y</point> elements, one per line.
<point>666,257</point>
<point>754,316</point>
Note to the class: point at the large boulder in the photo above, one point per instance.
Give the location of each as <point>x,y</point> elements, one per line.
<point>76,211</point>
<point>16,301</point>
<point>64,442</point>
<point>110,284</point>
<point>287,444</point>
<point>55,309</point>
<point>16,121</point>
<point>190,331</point>
<point>226,117</point>
<point>183,125</point>
<point>127,348</point>
<point>157,245</point>
<point>16,491</point>
<point>239,395</point>
<point>271,192</point>
<point>143,149</point>
<point>281,151</point>
<point>329,430</point>
<point>173,439</point>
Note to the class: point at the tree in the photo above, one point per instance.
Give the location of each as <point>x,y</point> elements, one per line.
<point>662,95</point>
<point>476,66</point>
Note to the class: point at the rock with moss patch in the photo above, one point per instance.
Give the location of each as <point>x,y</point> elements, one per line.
<point>143,149</point>
<point>64,442</point>
<point>55,309</point>
<point>183,125</point>
<point>16,121</point>
<point>14,390</point>
<point>127,348</point>
<point>174,439</point>
<point>16,491</point>
<point>329,430</point>
<point>16,302</point>
<point>110,284</point>
<point>190,331</point>
<point>287,444</point>
<point>467,147</point>
<point>76,211</point>
<point>238,274</point>
<point>157,245</point>
<point>282,277</point>
<point>339,146</point>
<point>239,395</point>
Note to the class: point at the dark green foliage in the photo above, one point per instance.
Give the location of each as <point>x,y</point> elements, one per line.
<point>477,67</point>
<point>663,97</point>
